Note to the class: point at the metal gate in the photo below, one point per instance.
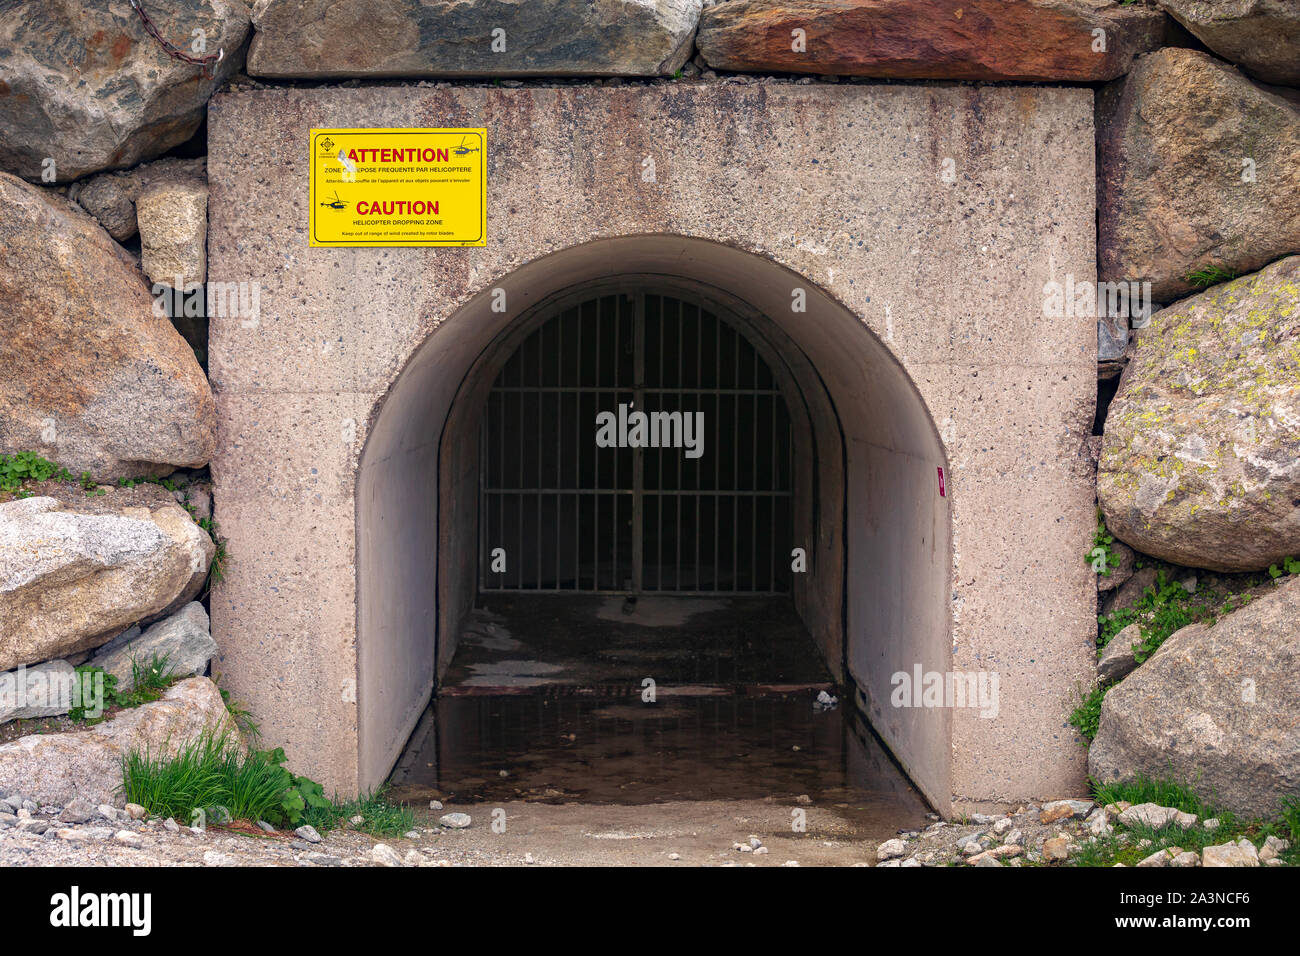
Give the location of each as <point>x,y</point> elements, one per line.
<point>561,513</point>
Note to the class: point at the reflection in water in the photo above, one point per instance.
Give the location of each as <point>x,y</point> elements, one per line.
<point>567,748</point>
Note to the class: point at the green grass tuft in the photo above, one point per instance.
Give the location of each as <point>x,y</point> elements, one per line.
<point>1142,789</point>
<point>1087,716</point>
<point>214,779</point>
<point>382,818</point>
<point>1207,276</point>
<point>210,774</point>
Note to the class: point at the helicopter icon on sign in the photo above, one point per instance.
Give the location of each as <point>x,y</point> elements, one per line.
<point>463,150</point>
<point>336,203</point>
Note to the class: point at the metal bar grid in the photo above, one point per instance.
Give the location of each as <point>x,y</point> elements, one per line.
<point>635,519</point>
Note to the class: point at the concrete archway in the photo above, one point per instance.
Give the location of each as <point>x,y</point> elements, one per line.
<point>880,538</point>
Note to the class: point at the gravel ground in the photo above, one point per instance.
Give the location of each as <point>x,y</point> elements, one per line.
<point>669,834</point>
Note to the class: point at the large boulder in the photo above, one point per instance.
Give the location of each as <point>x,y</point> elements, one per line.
<point>1196,170</point>
<point>87,764</point>
<point>1215,707</point>
<point>1261,35</point>
<point>1200,461</point>
<point>91,376</point>
<point>71,580</point>
<point>935,39</point>
<point>183,640</point>
<point>341,38</point>
<point>86,86</point>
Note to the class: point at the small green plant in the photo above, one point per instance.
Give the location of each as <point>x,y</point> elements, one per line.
<point>89,485</point>
<point>27,466</point>
<point>379,816</point>
<point>297,795</point>
<point>677,75</point>
<point>1087,716</point>
<point>1207,276</point>
<point>169,483</point>
<point>1163,609</point>
<point>148,681</point>
<point>217,570</point>
<point>240,714</point>
<point>1102,557</point>
<point>1291,818</point>
<point>86,678</point>
<point>1288,566</point>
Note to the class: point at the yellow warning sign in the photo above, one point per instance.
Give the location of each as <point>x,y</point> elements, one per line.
<point>398,187</point>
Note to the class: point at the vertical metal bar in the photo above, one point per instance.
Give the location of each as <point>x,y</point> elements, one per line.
<point>717,416</point>
<point>638,454</point>
<point>677,500</point>
<point>518,556</point>
<point>541,415</point>
<point>735,470</point>
<point>659,458</point>
<point>559,447</point>
<point>595,466</point>
<point>483,495</point>
<point>699,402</point>
<point>577,462</point>
<point>618,365</point>
<point>511,559</point>
<point>753,483</point>
<point>771,576</point>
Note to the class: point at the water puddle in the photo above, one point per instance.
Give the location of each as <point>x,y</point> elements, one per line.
<point>620,750</point>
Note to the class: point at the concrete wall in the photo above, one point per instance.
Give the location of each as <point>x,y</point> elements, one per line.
<point>923,322</point>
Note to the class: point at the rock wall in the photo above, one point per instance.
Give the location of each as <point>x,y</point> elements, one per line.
<point>104,289</point>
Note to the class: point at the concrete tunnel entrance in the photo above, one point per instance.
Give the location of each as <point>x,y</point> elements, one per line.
<point>499,529</point>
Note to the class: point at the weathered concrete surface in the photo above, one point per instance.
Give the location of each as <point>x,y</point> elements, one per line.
<point>930,39</point>
<point>90,376</point>
<point>1200,461</point>
<point>1196,170</point>
<point>411,38</point>
<point>844,187</point>
<point>86,86</point>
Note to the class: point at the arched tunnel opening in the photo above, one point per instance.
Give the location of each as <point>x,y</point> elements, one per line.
<point>672,551</point>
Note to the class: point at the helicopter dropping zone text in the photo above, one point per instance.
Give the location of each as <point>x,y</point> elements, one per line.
<point>397,187</point>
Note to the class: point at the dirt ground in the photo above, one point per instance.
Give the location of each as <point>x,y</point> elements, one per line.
<point>667,834</point>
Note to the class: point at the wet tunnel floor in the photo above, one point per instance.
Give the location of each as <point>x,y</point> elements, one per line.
<point>603,645</point>
<point>544,703</point>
